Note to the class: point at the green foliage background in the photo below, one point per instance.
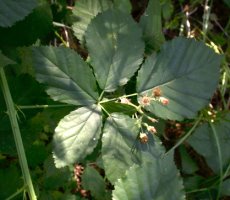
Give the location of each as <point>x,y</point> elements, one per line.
<point>69,65</point>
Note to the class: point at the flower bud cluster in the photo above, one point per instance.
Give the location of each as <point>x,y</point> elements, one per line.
<point>156,95</point>
<point>144,136</point>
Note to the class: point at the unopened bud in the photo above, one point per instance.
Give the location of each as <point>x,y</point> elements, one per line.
<point>152,129</point>
<point>124,100</point>
<point>157,92</point>
<point>143,138</point>
<point>164,100</point>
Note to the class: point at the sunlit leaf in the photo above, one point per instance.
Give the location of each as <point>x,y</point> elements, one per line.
<point>158,179</point>
<point>115,47</point>
<point>65,74</point>
<point>77,135</point>
<point>186,71</point>
<point>13,11</point>
<point>84,11</point>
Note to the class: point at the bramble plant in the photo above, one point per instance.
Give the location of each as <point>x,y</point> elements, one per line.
<point>129,83</point>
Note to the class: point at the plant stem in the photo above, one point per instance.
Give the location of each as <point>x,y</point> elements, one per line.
<point>17,135</point>
<point>220,157</point>
<point>206,16</point>
<point>185,136</point>
<point>44,106</point>
<point>114,99</point>
<point>16,193</point>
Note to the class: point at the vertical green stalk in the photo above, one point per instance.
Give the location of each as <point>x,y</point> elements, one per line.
<point>206,16</point>
<point>17,135</point>
<point>220,157</point>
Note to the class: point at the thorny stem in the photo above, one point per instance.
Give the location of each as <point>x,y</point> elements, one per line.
<point>17,135</point>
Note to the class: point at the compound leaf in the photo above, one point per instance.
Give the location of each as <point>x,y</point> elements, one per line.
<point>85,11</point>
<point>13,11</point>
<point>77,135</point>
<point>204,142</point>
<point>121,147</point>
<point>116,48</point>
<point>186,71</point>
<point>158,179</point>
<point>66,75</point>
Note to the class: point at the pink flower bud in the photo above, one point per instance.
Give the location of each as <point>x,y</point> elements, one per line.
<point>145,101</point>
<point>164,100</point>
<point>152,129</point>
<point>157,92</point>
<point>124,100</point>
<point>143,138</point>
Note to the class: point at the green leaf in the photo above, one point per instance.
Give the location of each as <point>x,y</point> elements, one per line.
<point>193,182</point>
<point>203,141</point>
<point>167,9</point>
<point>77,135</point>
<point>123,5</point>
<point>158,179</point>
<point>152,26</point>
<point>55,178</point>
<point>225,190</point>
<point>85,11</point>
<point>227,2</point>
<point>93,181</point>
<point>66,74</point>
<point>112,107</point>
<point>5,60</point>
<point>36,154</point>
<point>188,164</point>
<point>10,181</point>
<point>37,25</point>
<point>121,148</point>
<point>13,11</point>
<point>116,48</point>
<point>187,73</point>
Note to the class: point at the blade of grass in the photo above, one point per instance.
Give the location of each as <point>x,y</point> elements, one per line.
<point>17,135</point>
